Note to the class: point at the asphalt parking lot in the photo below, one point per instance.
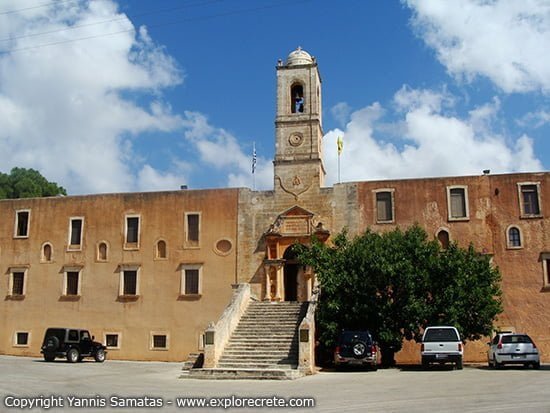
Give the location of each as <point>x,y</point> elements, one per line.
<point>121,386</point>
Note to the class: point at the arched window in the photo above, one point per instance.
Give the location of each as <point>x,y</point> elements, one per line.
<point>514,237</point>
<point>297,104</point>
<point>443,238</point>
<point>46,253</point>
<point>161,249</point>
<point>102,251</point>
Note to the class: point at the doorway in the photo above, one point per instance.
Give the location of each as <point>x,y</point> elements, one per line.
<point>291,270</point>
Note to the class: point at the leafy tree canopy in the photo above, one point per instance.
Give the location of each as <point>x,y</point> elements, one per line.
<point>27,183</point>
<point>397,283</point>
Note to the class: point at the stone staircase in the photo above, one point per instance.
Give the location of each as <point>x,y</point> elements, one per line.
<point>263,346</point>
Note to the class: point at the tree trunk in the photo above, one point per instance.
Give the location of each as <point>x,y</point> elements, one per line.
<point>388,356</point>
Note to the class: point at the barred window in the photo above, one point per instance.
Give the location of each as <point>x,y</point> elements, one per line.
<point>132,230</point>
<point>18,283</point>
<point>22,224</point>
<point>111,340</point>
<point>384,207</point>
<point>130,282</point>
<point>21,338</point>
<point>191,281</point>
<point>159,341</point>
<point>72,283</point>
<point>529,200</point>
<point>75,237</point>
<point>514,237</point>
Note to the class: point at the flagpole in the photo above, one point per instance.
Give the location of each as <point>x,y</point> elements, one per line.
<point>339,146</point>
<point>253,165</point>
<point>338,167</point>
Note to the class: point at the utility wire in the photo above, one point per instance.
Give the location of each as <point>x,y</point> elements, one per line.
<point>127,17</point>
<point>35,7</point>
<point>201,18</point>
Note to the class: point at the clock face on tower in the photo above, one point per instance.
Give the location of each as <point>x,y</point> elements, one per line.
<point>295,139</point>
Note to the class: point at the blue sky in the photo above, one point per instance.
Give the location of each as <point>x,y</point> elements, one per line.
<point>134,95</point>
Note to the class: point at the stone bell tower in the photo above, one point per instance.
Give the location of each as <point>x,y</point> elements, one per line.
<point>298,126</point>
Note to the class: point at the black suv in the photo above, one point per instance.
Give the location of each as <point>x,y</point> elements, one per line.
<point>356,348</point>
<point>72,343</point>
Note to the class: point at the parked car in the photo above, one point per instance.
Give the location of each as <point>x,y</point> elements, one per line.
<point>356,348</point>
<point>441,344</point>
<point>513,348</point>
<point>72,343</point>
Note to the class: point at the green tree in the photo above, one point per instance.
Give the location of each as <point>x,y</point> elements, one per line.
<point>27,183</point>
<point>398,282</point>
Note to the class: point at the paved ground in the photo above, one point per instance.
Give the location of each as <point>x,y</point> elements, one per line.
<point>474,389</point>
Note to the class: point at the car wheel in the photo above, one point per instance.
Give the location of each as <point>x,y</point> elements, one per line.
<point>459,364</point>
<point>536,365</point>
<point>99,355</point>
<point>425,364</point>
<point>49,357</point>
<point>374,367</point>
<point>52,343</point>
<point>73,355</point>
<point>496,363</point>
<point>359,349</point>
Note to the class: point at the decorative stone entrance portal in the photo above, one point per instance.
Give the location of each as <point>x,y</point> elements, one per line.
<point>285,278</point>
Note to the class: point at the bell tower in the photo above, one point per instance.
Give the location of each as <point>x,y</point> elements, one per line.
<point>298,125</point>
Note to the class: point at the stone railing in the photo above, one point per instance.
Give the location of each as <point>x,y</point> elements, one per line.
<point>306,337</point>
<point>217,335</point>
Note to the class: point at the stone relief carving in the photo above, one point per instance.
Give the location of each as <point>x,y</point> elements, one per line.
<point>294,186</point>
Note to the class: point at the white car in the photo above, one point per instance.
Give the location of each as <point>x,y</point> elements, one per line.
<point>513,348</point>
<point>441,344</point>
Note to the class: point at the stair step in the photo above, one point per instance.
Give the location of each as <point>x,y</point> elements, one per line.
<point>243,373</point>
<point>266,337</point>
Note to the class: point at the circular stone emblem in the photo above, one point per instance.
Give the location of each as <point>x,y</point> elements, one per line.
<point>295,139</point>
<point>223,247</point>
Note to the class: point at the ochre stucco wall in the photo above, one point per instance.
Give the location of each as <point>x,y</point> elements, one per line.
<point>159,307</point>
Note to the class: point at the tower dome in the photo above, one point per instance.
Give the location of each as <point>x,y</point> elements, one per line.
<point>299,57</point>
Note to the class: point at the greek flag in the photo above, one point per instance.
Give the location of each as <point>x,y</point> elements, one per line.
<point>254,160</point>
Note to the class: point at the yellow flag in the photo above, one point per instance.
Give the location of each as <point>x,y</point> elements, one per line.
<point>340,144</point>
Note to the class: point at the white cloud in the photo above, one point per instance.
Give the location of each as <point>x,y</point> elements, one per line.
<point>65,109</point>
<point>506,41</point>
<point>535,119</point>
<point>220,150</point>
<point>150,180</point>
<point>341,112</point>
<point>435,143</point>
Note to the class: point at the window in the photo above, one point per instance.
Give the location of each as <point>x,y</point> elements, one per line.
<point>159,341</point>
<point>545,259</point>
<point>513,237</point>
<point>102,251</point>
<point>192,229</point>
<point>132,232</point>
<point>17,285</point>
<point>160,252</point>
<point>22,223</point>
<point>21,339</point>
<point>73,335</point>
<point>384,206</point>
<point>129,281</point>
<point>297,98</point>
<point>46,253</point>
<point>75,233</point>
<point>71,281</point>
<point>112,340</point>
<point>457,200</point>
<point>191,283</point>
<point>529,199</point>
<point>443,238</point>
